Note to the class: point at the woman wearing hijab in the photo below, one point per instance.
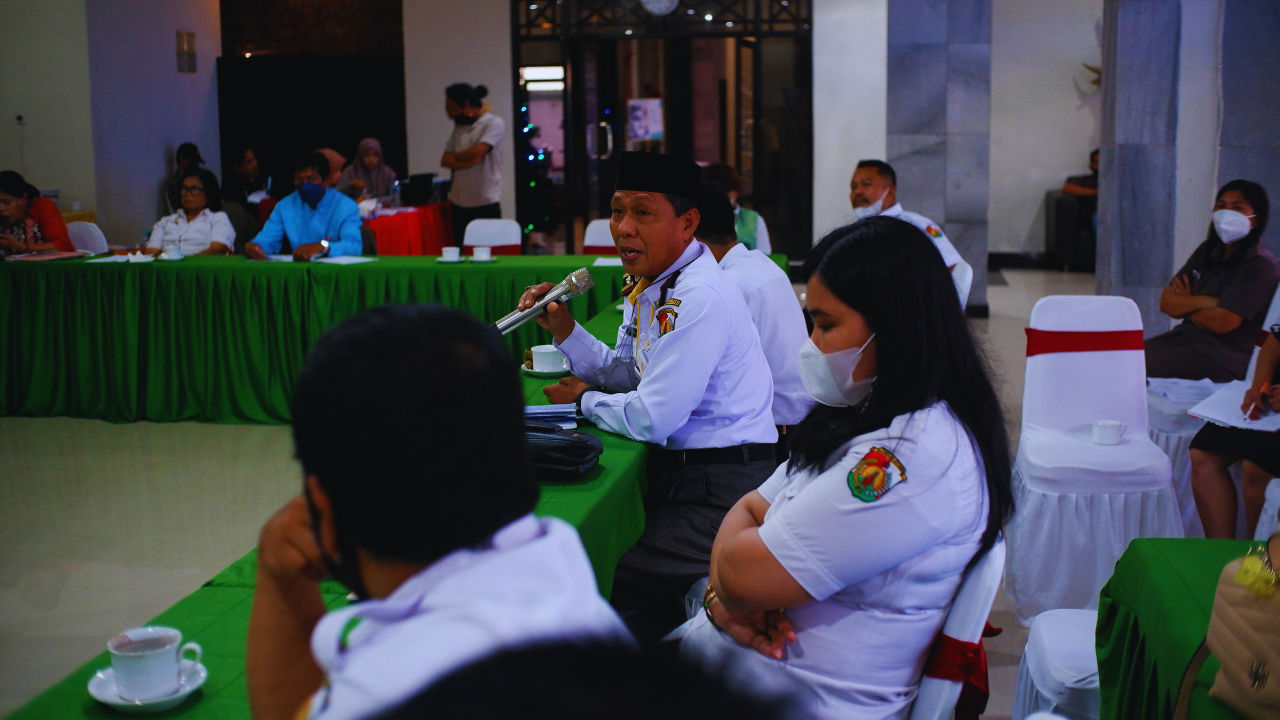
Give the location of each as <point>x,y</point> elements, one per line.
<point>368,175</point>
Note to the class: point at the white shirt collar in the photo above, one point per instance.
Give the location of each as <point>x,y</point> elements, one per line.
<point>734,251</point>
<point>691,253</point>
<point>895,211</point>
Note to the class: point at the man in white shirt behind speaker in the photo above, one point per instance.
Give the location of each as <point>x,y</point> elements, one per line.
<point>772,303</point>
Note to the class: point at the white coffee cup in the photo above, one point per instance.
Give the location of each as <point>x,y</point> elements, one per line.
<point>546,358</point>
<point>1108,432</point>
<point>450,253</point>
<point>482,254</point>
<point>145,664</point>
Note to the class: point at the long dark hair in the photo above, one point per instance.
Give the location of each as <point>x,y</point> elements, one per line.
<point>212,193</point>
<point>1256,196</point>
<point>890,272</point>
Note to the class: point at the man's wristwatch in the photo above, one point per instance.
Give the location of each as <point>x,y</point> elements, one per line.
<point>324,244</point>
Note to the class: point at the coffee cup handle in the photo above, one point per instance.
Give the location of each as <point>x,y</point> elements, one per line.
<point>192,646</point>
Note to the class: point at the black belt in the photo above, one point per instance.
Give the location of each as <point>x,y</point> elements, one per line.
<point>738,455</point>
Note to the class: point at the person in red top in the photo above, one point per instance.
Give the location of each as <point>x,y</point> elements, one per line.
<point>28,222</point>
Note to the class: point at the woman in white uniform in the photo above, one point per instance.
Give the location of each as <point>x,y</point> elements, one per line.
<point>841,568</point>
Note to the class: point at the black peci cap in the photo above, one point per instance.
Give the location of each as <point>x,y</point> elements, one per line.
<point>652,172</point>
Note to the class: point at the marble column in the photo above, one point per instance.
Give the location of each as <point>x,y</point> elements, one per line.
<point>939,118</point>
<point>1138,179</point>
<point>1250,142</point>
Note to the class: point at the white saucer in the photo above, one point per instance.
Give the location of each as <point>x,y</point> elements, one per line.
<point>442,260</point>
<point>543,373</point>
<point>102,686</point>
<point>161,257</point>
<point>623,306</point>
<point>482,262</point>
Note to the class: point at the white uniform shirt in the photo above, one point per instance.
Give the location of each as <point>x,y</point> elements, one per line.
<point>780,322</point>
<point>705,382</point>
<point>480,184</point>
<point>195,236</point>
<point>949,255</point>
<point>532,583</point>
<point>883,562</point>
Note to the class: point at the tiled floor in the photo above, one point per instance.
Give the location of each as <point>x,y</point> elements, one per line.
<point>103,526</point>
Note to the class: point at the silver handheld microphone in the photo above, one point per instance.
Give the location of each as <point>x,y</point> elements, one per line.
<point>578,282</point>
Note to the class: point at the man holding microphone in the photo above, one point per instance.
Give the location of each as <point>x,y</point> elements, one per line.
<point>687,375</point>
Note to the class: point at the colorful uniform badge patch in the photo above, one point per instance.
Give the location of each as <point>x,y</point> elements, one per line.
<point>933,231</point>
<point>875,474</point>
<point>666,320</point>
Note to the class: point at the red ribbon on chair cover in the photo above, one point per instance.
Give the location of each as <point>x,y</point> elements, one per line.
<point>1040,342</point>
<point>966,662</point>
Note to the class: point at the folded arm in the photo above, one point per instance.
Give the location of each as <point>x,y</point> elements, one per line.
<point>464,159</point>
<point>1177,302</point>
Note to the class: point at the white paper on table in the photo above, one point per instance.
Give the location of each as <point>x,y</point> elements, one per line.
<point>1223,408</point>
<point>345,260</point>
<point>1183,391</point>
<point>607,262</point>
<point>276,258</point>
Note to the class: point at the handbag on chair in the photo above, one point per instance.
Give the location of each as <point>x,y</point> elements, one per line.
<point>1244,634</point>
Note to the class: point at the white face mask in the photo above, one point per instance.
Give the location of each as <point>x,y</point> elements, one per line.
<point>1231,225</point>
<point>829,376</point>
<point>873,209</point>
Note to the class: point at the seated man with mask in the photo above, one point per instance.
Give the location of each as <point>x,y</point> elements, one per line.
<point>687,374</point>
<point>316,220</point>
<point>874,188</point>
<point>418,496</point>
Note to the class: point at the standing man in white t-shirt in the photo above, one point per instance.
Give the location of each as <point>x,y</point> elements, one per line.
<point>474,154</point>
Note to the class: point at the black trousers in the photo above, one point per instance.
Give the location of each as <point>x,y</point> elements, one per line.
<point>459,216</point>
<point>684,507</point>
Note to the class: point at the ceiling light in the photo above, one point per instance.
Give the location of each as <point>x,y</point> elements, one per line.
<point>545,86</point>
<point>707,17</point>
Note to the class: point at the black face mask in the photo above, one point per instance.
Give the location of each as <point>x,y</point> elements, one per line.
<point>462,119</point>
<point>348,575</point>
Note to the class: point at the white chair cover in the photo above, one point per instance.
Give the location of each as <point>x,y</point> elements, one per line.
<point>1269,521</point>
<point>598,236</point>
<point>1059,669</point>
<point>962,276</point>
<point>936,699</point>
<point>491,232</point>
<point>88,237</point>
<point>1079,504</point>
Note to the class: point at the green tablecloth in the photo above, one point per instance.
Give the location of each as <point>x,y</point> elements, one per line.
<point>219,339</point>
<point>1152,615</point>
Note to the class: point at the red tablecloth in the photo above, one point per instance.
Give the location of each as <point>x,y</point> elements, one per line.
<point>421,232</point>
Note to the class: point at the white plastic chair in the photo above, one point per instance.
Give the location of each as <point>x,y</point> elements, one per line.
<point>1079,504</point>
<point>1059,669</point>
<point>962,276</point>
<point>501,236</point>
<point>88,237</point>
<point>936,698</point>
<point>598,239</point>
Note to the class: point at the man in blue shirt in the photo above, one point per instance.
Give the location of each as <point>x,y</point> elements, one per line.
<point>317,220</point>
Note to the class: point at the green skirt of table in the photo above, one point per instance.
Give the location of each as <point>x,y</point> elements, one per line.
<point>1152,615</point>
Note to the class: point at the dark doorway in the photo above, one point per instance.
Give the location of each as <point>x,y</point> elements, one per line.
<point>299,76</point>
<point>281,105</point>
